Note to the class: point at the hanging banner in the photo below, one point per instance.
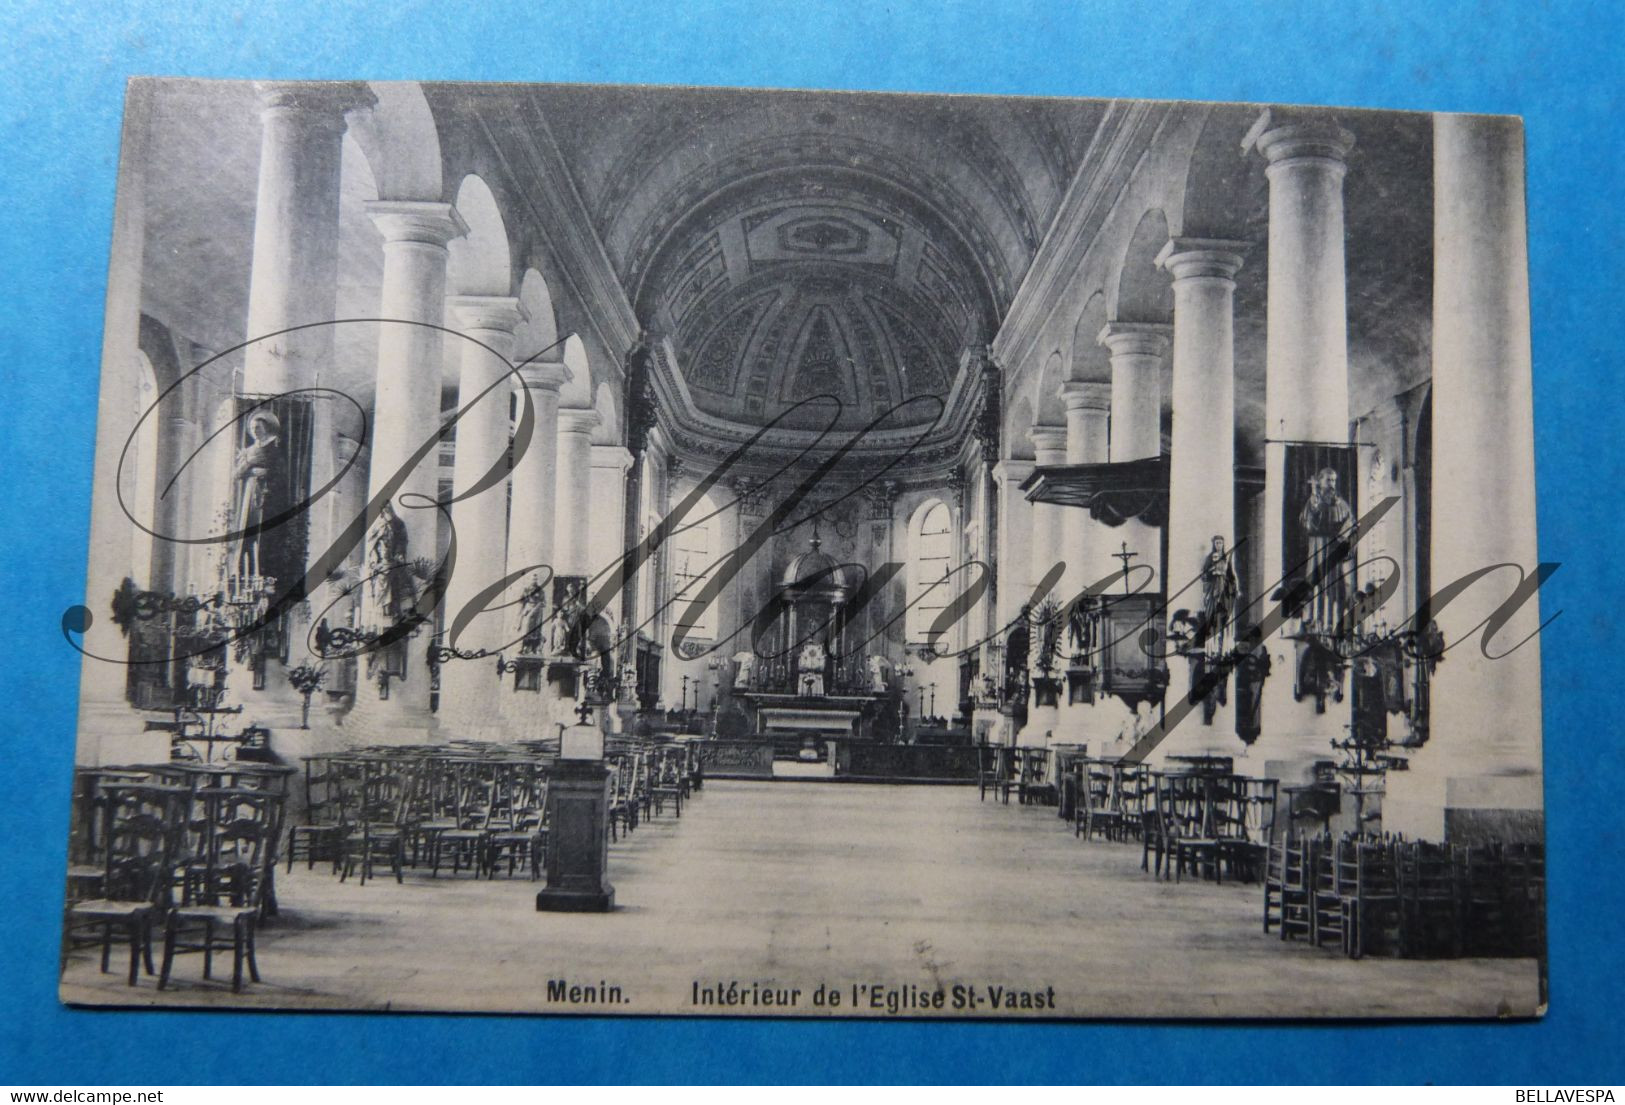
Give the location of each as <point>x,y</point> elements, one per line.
<point>1319,508</point>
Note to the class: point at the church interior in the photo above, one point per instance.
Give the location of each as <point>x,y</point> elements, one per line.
<point>1116,457</point>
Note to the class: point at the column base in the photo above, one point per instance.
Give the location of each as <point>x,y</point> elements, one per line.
<point>113,734</point>
<point>1465,809</point>
<point>600,899</point>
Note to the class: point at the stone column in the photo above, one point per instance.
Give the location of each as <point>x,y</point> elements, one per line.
<point>109,731</point>
<point>1306,388</point>
<point>470,706</point>
<point>608,543</point>
<point>1088,418</point>
<point>573,519</point>
<point>1049,520</point>
<point>406,415</point>
<point>1479,776</point>
<point>1087,542</point>
<point>530,535</point>
<point>1137,351</point>
<point>296,213</point>
<point>1017,551</point>
<point>1201,482</point>
<point>293,282</point>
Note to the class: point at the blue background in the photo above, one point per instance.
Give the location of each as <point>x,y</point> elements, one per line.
<point>61,82</point>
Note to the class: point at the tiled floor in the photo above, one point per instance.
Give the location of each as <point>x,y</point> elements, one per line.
<point>895,890</point>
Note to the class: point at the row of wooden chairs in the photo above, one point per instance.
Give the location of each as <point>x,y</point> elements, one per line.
<point>479,808</point>
<point>1379,895</point>
<point>187,849</point>
<point>647,777</point>
<point>1207,824</point>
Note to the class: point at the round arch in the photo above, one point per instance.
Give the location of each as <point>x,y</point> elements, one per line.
<point>1048,410</point>
<point>479,261</point>
<point>1090,359</point>
<point>577,391</point>
<point>608,430</point>
<point>1138,291</point>
<point>401,142</point>
<point>539,331</point>
<point>1017,445</point>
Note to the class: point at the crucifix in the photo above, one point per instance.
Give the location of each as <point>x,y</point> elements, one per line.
<point>1125,556</point>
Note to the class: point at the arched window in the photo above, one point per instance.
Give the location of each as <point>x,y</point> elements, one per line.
<point>931,545</point>
<point>693,551</point>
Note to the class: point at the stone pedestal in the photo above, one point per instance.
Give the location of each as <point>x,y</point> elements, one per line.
<point>577,839</point>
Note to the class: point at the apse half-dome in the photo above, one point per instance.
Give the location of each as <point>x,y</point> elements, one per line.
<point>805,336</point>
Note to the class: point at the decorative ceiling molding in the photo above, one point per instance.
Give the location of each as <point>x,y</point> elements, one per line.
<point>538,174</point>
<point>1125,135</point>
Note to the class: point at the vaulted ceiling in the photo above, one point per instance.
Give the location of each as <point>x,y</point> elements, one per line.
<point>804,244</point>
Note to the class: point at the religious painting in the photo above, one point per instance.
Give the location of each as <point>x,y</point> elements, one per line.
<point>396,695</point>
<point>1319,509</point>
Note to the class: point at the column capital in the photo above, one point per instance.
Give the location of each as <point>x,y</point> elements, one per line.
<point>1287,143</point>
<point>425,221</point>
<point>487,312</point>
<point>544,375</point>
<point>1147,339</point>
<point>1202,258</point>
<point>1011,472</point>
<point>1048,439</point>
<point>1086,395</point>
<point>578,420</point>
<point>611,456</point>
<point>321,100</point>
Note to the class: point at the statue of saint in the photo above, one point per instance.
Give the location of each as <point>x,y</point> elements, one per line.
<point>257,477</point>
<point>1326,519</point>
<point>389,574</point>
<point>877,674</point>
<point>532,618</point>
<point>1220,594</point>
<point>744,669</point>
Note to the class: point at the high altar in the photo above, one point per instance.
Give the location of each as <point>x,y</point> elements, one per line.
<point>811,677</point>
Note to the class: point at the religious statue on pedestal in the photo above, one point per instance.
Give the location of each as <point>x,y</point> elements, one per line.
<point>389,573</point>
<point>1220,596</point>
<point>744,669</point>
<point>877,674</point>
<point>532,618</point>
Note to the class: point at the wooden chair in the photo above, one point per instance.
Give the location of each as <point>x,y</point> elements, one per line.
<point>1430,898</point>
<point>994,771</point>
<point>379,834</point>
<point>320,835</point>
<point>667,783</point>
<point>463,831</point>
<point>1289,885</point>
<point>143,846</point>
<point>523,840</point>
<point>1245,848</point>
<point>1200,810</point>
<point>228,897</point>
<point>1098,811</point>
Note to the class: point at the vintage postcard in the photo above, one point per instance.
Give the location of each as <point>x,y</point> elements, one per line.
<point>578,549</point>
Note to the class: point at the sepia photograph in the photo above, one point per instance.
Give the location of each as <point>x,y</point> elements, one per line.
<point>609,549</point>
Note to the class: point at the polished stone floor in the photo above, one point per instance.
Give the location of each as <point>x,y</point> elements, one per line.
<point>884,893</point>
